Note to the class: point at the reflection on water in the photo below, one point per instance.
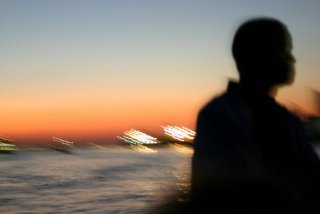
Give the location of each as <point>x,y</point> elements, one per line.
<point>96,181</point>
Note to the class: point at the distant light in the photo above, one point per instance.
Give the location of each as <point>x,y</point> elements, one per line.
<point>182,134</point>
<point>2,139</point>
<point>64,142</point>
<point>137,137</point>
<point>6,145</point>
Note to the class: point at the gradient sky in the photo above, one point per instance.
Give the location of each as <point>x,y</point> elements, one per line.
<point>92,69</point>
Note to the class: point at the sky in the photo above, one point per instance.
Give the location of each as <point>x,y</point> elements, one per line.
<point>88,70</point>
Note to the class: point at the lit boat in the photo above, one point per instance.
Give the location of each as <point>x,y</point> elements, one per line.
<point>7,146</point>
<point>61,145</point>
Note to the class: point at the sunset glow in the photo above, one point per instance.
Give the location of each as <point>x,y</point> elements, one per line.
<point>88,71</point>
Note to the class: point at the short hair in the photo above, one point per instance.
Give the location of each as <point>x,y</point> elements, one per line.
<point>255,37</point>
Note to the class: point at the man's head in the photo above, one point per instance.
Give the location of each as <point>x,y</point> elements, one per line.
<point>262,51</point>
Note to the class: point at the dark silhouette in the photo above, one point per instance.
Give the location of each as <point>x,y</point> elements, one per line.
<point>312,121</point>
<point>251,154</point>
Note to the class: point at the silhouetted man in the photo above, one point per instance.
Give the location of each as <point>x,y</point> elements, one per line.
<point>251,154</point>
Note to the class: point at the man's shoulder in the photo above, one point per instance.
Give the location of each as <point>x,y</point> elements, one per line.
<point>217,102</point>
<point>222,104</point>
<point>294,118</point>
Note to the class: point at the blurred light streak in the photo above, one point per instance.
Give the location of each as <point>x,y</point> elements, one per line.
<point>61,145</point>
<point>64,142</point>
<point>6,145</point>
<point>137,137</point>
<point>182,134</point>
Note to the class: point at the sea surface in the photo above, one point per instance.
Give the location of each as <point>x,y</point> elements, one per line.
<point>114,180</point>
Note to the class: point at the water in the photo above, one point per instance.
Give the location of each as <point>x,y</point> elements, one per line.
<point>117,180</point>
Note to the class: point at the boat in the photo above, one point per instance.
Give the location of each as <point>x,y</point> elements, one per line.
<point>61,145</point>
<point>7,146</point>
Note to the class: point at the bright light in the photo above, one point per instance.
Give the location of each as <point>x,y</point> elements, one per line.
<point>182,134</point>
<point>6,145</point>
<point>64,142</point>
<point>136,137</point>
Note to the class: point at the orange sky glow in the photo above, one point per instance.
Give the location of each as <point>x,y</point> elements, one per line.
<point>92,71</point>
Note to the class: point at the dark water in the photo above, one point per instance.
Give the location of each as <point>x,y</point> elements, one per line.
<point>117,180</point>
